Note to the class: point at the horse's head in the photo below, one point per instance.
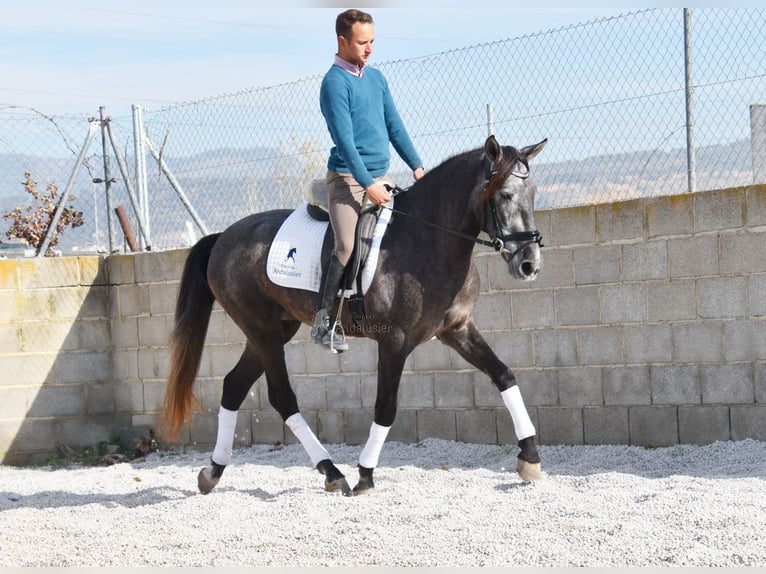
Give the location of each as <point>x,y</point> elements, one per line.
<point>509,207</point>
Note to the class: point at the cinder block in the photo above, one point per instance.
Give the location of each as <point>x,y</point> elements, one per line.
<point>267,427</point>
<point>580,386</point>
<point>669,215</point>
<point>86,430</point>
<point>15,403</point>
<point>597,264</point>
<point>416,390</point>
<point>557,270</point>
<point>48,336</point>
<point>369,390</point>
<point>476,426</point>
<point>357,426</point>
<point>133,300</point>
<point>158,266</point>
<point>698,342</point>
<point>653,426</point>
<point>727,384</point>
<point>311,392</point>
<point>321,360</point>
<point>453,389</point>
<point>600,346</point>
<point>11,337</point>
<point>9,276</point>
<point>330,427</point>
<point>645,261</point>
<point>125,333</point>
<point>498,277</point>
<point>606,425</point>
<point>703,425</point>
<point>92,270</point>
<point>743,252</point>
<point>577,306</point>
<point>760,383</point>
<point>93,302</point>
<point>573,225</point>
<point>93,335</point>
<point>719,209</point>
<point>48,272</point>
<point>344,392</point>
<point>648,343</point>
<point>67,302</point>
<point>154,331</point>
<point>154,395</point>
<point>485,393</point>
<point>223,358</point>
<point>758,295</point>
<point>120,269</point>
<point>676,385</point>
<point>555,348</point>
<point>671,301</point>
<point>128,396</point>
<point>362,356</point>
<point>560,425</point>
<point>722,297</point>
<point>537,386</point>
<point>748,422</point>
<point>28,369</point>
<point>532,309</point>
<point>514,348</point>
<point>756,205</point>
<point>405,427</point>
<point>295,358</point>
<point>627,385</point>
<point>99,398</point>
<point>620,221</point>
<point>28,435</point>
<point>493,312</point>
<point>83,367</point>
<point>440,423</point>
<point>693,256</point>
<point>745,340</point>
<point>204,430</point>
<point>430,356</point>
<point>623,303</point>
<point>162,297</point>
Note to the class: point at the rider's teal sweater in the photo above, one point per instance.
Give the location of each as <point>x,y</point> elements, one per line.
<point>362,119</point>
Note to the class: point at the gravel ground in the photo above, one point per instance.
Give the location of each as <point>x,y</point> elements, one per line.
<point>438,503</point>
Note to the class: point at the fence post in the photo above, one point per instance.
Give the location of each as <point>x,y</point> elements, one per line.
<point>140,169</point>
<point>107,181</point>
<point>691,157</point>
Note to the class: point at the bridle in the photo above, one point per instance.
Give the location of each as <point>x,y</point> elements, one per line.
<point>493,179</point>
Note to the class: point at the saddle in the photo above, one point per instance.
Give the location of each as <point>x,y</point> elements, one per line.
<point>317,207</point>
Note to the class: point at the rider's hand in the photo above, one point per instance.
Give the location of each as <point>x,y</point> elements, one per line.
<point>378,194</point>
<point>418,173</point>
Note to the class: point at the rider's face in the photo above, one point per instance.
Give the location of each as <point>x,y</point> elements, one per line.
<point>358,48</point>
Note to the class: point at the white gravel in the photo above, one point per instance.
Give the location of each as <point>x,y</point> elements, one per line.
<point>438,503</point>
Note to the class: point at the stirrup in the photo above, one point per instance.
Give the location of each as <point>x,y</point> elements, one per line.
<point>336,341</point>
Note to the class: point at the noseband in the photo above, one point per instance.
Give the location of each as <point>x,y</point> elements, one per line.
<point>492,181</point>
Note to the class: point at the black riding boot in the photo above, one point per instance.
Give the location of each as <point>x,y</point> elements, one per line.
<point>320,332</point>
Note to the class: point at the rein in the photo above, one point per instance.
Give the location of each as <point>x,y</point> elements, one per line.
<point>497,242</point>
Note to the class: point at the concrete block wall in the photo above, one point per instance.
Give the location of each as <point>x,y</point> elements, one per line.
<point>647,326</point>
<point>55,356</point>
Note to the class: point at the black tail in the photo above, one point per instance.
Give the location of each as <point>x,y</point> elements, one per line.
<point>193,309</point>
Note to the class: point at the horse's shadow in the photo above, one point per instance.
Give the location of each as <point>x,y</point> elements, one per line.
<point>49,499</point>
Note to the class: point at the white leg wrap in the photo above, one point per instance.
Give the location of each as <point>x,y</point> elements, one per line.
<point>522,424</point>
<point>227,422</point>
<point>309,441</point>
<point>371,450</point>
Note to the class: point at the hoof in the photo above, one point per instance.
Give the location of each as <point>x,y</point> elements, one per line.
<point>365,484</point>
<point>334,481</point>
<point>528,471</point>
<point>338,485</point>
<point>206,481</point>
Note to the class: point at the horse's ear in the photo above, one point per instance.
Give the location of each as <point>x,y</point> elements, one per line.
<point>531,151</point>
<point>492,149</point>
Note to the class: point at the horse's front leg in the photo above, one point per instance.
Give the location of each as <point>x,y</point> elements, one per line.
<point>469,343</point>
<point>390,366</point>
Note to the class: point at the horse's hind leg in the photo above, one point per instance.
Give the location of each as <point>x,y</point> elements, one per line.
<point>236,385</point>
<point>469,343</point>
<point>282,398</point>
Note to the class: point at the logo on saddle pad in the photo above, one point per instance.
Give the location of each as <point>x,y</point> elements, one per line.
<point>295,256</point>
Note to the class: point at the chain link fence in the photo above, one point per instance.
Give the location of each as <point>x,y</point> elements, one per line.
<point>610,95</point>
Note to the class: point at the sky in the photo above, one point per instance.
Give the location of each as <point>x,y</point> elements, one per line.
<point>72,56</point>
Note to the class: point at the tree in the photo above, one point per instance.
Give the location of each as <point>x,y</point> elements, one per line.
<point>30,224</point>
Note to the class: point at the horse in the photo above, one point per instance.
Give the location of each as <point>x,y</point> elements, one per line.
<point>425,285</point>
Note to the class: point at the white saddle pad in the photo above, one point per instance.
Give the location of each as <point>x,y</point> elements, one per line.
<point>295,254</point>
